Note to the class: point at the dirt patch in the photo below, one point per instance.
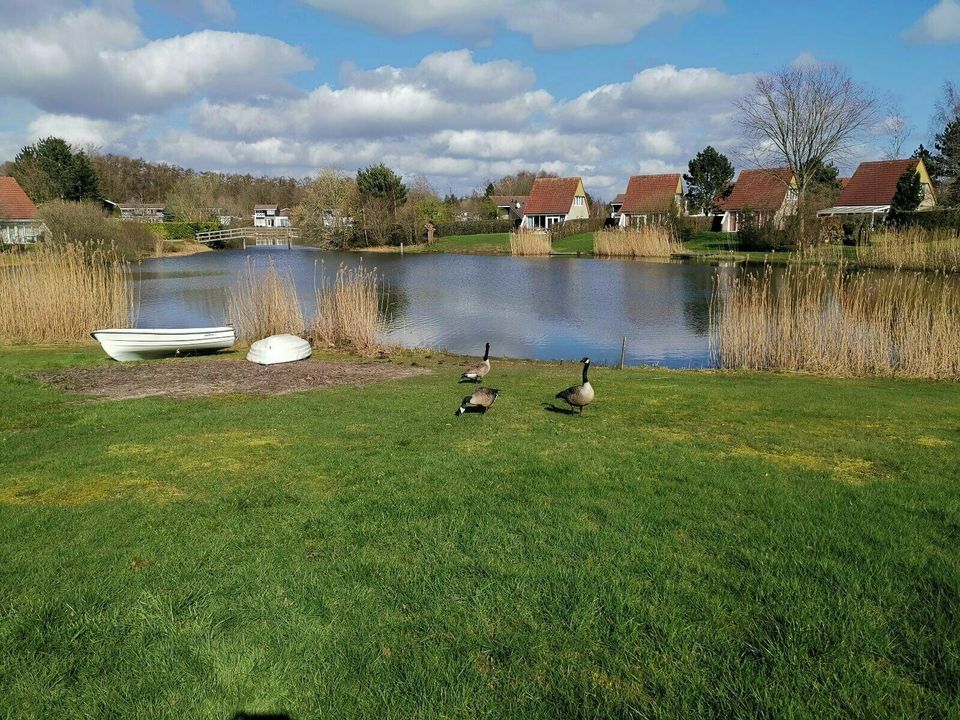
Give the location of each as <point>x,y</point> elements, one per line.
<point>179,378</point>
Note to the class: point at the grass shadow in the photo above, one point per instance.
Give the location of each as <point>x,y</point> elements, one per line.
<point>550,407</point>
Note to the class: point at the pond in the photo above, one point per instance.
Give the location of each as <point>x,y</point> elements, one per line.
<point>540,308</point>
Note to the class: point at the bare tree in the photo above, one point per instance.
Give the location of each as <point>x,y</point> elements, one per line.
<point>897,130</point>
<point>803,117</point>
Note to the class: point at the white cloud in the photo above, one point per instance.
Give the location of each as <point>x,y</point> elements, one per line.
<point>660,93</point>
<point>113,72</point>
<point>220,11</point>
<point>86,132</point>
<point>551,24</point>
<point>940,24</point>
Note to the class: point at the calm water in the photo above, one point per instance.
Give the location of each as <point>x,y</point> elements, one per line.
<point>543,308</point>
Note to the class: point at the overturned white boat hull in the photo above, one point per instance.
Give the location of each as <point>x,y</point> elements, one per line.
<point>144,343</point>
<point>279,349</point>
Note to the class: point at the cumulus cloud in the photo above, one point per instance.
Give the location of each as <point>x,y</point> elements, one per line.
<point>551,24</point>
<point>661,92</point>
<point>114,72</point>
<point>87,132</point>
<point>390,101</point>
<point>940,24</point>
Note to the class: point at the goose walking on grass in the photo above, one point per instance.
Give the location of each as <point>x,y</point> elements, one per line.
<point>476,373</point>
<point>482,399</point>
<point>578,396</point>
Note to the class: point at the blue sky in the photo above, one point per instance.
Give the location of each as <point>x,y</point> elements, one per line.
<point>465,91</point>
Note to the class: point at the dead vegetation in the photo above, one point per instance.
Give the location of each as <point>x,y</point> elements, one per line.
<point>651,240</point>
<point>530,243</point>
<point>199,378</point>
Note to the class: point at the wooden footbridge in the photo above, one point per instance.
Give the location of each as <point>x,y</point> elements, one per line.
<point>250,236</point>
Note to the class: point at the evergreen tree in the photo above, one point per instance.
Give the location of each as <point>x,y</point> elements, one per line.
<point>947,162</point>
<point>50,170</point>
<point>909,192</point>
<point>379,181</point>
<point>709,178</point>
<point>489,191</point>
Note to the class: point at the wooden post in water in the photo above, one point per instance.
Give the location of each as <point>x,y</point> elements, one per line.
<point>623,351</point>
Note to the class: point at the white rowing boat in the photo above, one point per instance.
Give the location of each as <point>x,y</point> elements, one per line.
<point>144,343</point>
<point>279,349</point>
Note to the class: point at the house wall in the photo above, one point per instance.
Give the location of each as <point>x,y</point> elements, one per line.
<point>579,212</point>
<point>20,232</point>
<point>929,199</point>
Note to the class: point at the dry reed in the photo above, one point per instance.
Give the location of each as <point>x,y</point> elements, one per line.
<point>263,305</point>
<point>530,243</point>
<point>643,241</point>
<point>833,322</point>
<point>912,249</point>
<point>350,312</point>
<point>63,293</point>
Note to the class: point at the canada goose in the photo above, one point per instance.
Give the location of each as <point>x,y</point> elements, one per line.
<point>482,398</point>
<point>581,395</point>
<point>477,372</point>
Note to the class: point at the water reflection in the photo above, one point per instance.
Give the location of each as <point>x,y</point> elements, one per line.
<point>544,308</point>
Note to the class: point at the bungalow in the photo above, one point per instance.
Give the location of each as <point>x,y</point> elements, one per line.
<point>651,198</point>
<point>615,205</point>
<point>554,200</point>
<point>270,216</point>
<point>148,212</point>
<point>18,215</point>
<point>870,190</point>
<point>509,207</point>
<point>768,194</point>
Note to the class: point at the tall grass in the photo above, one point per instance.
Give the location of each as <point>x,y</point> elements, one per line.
<point>833,322</point>
<point>63,293</point>
<point>350,313</point>
<point>912,249</point>
<point>530,243</point>
<point>264,304</point>
<point>644,241</point>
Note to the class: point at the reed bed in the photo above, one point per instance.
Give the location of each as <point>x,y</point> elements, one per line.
<point>64,292</point>
<point>833,322</point>
<point>912,249</point>
<point>350,313</point>
<point>644,241</point>
<point>264,304</point>
<point>530,243</point>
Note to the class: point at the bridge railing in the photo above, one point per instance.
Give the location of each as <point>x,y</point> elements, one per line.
<point>258,235</point>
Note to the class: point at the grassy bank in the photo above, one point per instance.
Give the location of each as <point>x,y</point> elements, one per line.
<point>697,544</point>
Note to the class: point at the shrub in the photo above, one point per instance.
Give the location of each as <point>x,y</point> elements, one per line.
<point>947,218</point>
<point>471,227</point>
<point>86,222</point>
<point>759,235</point>
<point>180,230</point>
<point>575,227</point>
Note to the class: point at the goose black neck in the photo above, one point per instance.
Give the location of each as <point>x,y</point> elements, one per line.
<point>486,352</point>
<point>586,366</point>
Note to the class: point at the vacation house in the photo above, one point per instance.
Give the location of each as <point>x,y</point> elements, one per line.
<point>509,207</point>
<point>554,200</point>
<point>615,206</point>
<point>768,194</point>
<point>270,216</point>
<point>147,212</point>
<point>870,190</point>
<point>19,223</point>
<point>651,199</point>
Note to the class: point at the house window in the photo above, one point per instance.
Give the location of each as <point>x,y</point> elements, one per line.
<point>579,200</point>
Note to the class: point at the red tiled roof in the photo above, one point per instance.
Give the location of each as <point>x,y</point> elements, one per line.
<point>763,189</point>
<point>874,183</point>
<point>14,203</point>
<point>551,196</point>
<point>650,193</point>
<point>843,182</point>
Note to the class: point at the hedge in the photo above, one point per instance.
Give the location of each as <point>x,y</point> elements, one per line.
<point>936,219</point>
<point>181,230</point>
<point>471,227</point>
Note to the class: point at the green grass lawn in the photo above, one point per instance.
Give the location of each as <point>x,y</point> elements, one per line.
<point>696,545</point>
<point>483,244</point>
<point>581,243</point>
